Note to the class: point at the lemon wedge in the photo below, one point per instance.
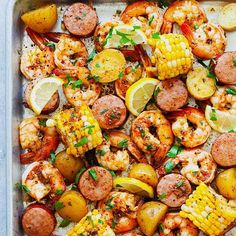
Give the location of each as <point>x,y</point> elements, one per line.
<point>134,186</point>
<point>220,121</point>
<point>139,93</point>
<point>124,35</point>
<point>43,91</point>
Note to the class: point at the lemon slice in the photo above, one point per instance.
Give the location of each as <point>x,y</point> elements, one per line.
<point>139,93</point>
<point>43,91</point>
<point>220,121</point>
<point>134,186</point>
<point>124,35</point>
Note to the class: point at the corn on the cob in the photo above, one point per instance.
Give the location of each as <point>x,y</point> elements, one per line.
<point>207,210</point>
<point>92,224</point>
<point>172,55</point>
<point>79,129</point>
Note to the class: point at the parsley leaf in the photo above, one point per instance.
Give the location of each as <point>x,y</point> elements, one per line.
<point>162,196</point>
<point>109,204</point>
<point>69,79</point>
<point>141,130</point>
<point>174,151</point>
<point>101,152</point>
<point>103,111</point>
<point>136,27</point>
<point>108,36</point>
<point>234,62</point>
<point>64,223</point>
<point>157,91</point>
<point>77,84</point>
<point>151,20</point>
<point>180,184</point>
<point>230,91</point>
<point>59,191</point>
<point>83,141</point>
<point>93,174</point>
<point>169,166</point>
<point>213,115</point>
<point>22,187</point>
<point>156,35</point>
<point>43,122</point>
<point>80,172</point>
<point>52,157</point>
<point>58,205</point>
<point>91,55</point>
<point>51,45</point>
<point>123,143</point>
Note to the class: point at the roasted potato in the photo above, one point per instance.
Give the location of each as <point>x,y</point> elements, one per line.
<point>226,183</point>
<point>108,65</point>
<point>73,206</point>
<point>42,19</point>
<point>199,85</point>
<point>150,215</point>
<point>227,17</point>
<point>145,173</point>
<point>68,165</point>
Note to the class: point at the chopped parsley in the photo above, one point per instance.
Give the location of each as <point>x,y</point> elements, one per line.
<point>84,14</point>
<point>89,127</point>
<point>210,70</point>
<point>135,27</point>
<point>156,35</point>
<point>52,157</point>
<point>101,152</point>
<point>213,115</point>
<point>196,27</point>
<point>112,173</point>
<point>42,122</point>
<point>89,218</point>
<point>109,204</point>
<point>234,62</point>
<point>69,80</point>
<point>161,228</point>
<point>103,111</point>
<point>80,172</point>
<point>77,84</point>
<point>150,20</point>
<point>141,130</point>
<point>180,184</point>
<point>123,143</point>
<point>96,78</point>
<point>59,191</point>
<point>163,3</point>
<point>100,221</point>
<point>231,131</point>
<point>93,174</point>
<point>230,91</point>
<point>105,135</point>
<point>91,55</point>
<point>157,91</point>
<point>74,187</point>
<point>169,166</point>
<point>120,75</point>
<point>64,223</point>
<point>149,147</point>
<point>112,116</point>
<point>83,141</point>
<point>51,45</point>
<point>97,65</point>
<point>135,67</point>
<point>22,187</point>
<point>195,173</point>
<point>58,205</point>
<point>108,36</point>
<point>162,196</point>
<point>113,224</point>
<point>174,151</point>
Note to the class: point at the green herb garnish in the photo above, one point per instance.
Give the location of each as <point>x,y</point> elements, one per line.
<point>120,75</point>
<point>42,122</point>
<point>89,127</point>
<point>64,223</point>
<point>77,84</point>
<point>213,115</point>
<point>58,205</point>
<point>91,55</point>
<point>135,27</point>
<point>141,130</point>
<point>22,187</point>
<point>52,157</point>
<point>93,174</point>
<point>109,204</point>
<point>123,143</point>
<point>149,147</point>
<point>169,166</point>
<point>108,36</point>
<point>150,20</point>
<point>196,27</point>
<point>157,91</point>
<point>51,45</point>
<point>234,62</point>
<point>97,65</point>
<point>59,191</point>
<point>230,91</point>
<point>101,152</point>
<point>162,196</point>
<point>156,35</point>
<point>180,184</point>
<point>83,141</point>
<point>103,111</point>
<point>80,172</point>
<point>174,151</point>
<point>69,79</point>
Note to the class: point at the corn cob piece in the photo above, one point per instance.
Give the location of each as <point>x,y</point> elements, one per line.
<point>172,55</point>
<point>91,224</point>
<point>79,129</point>
<point>207,210</point>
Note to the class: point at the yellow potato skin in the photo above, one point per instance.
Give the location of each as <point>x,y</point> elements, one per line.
<point>75,207</point>
<point>68,165</point>
<point>150,215</point>
<point>199,85</point>
<point>226,183</point>
<point>108,65</point>
<point>42,19</point>
<point>145,173</point>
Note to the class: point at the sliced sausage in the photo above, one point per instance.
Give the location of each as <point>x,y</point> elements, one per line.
<point>110,112</point>
<point>171,94</point>
<point>173,190</point>
<point>51,106</point>
<point>95,183</point>
<point>80,19</point>
<point>224,149</point>
<point>38,220</point>
<point>225,68</point>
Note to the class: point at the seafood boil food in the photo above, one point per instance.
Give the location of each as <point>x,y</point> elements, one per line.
<point>129,124</point>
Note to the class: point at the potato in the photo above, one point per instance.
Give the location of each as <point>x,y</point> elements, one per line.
<point>150,215</point>
<point>226,183</point>
<point>108,65</point>
<point>68,165</point>
<point>199,85</point>
<point>145,173</point>
<point>74,206</point>
<point>42,19</point>
<point>227,17</point>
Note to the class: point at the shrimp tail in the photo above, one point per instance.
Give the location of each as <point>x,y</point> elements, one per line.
<point>54,36</point>
<point>27,158</point>
<point>143,55</point>
<point>60,73</point>
<point>125,224</point>
<point>131,55</point>
<point>166,27</point>
<point>187,31</point>
<point>37,38</point>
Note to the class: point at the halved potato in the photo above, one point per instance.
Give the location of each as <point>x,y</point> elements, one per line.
<point>108,65</point>
<point>199,85</point>
<point>42,19</point>
<point>227,17</point>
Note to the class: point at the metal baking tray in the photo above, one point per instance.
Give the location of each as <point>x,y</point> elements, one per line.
<point>15,111</point>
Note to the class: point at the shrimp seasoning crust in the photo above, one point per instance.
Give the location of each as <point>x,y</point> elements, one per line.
<point>129,120</point>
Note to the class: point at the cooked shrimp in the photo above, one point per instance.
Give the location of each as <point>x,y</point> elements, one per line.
<point>102,32</point>
<point>208,41</point>
<point>41,178</point>
<point>37,63</point>
<point>78,88</point>
<point>173,221</point>
<point>152,133</point>
<point>120,208</point>
<point>184,127</point>
<point>144,14</point>
<point>70,53</point>
<point>224,101</point>
<point>131,75</point>
<point>197,165</point>
<point>188,11</point>
<point>38,138</point>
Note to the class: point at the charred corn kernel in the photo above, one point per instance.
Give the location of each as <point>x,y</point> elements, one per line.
<point>208,214</point>
<point>92,224</point>
<point>79,129</point>
<point>173,55</point>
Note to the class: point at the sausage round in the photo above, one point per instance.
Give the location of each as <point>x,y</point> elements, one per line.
<point>169,191</point>
<point>51,106</point>
<point>225,68</point>
<point>224,150</point>
<point>95,189</point>
<point>38,220</point>
<point>80,19</point>
<point>110,112</point>
<point>171,94</point>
